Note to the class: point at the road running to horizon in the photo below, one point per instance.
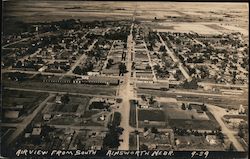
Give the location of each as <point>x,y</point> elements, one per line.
<point>126,92</point>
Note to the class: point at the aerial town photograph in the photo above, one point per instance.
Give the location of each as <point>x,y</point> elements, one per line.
<point>92,75</point>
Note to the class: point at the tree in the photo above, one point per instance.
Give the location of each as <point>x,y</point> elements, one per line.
<point>143,97</point>
<point>230,147</point>
<point>151,100</point>
<point>117,119</point>
<point>122,69</point>
<point>221,136</point>
<point>162,48</point>
<point>110,62</point>
<point>240,132</point>
<point>111,140</point>
<point>143,147</point>
<point>189,107</point>
<point>77,70</point>
<point>203,107</point>
<point>65,99</point>
<point>190,85</point>
<point>19,64</point>
<point>183,107</point>
<point>154,130</point>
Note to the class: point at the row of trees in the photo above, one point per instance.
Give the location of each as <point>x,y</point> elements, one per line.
<point>189,107</point>
<point>111,140</point>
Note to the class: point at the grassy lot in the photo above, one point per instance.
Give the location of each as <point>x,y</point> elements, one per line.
<point>219,101</point>
<point>72,120</point>
<point>178,113</point>
<point>66,107</point>
<point>132,114</point>
<point>151,115</point>
<point>89,113</point>
<point>76,103</point>
<point>74,88</point>
<point>132,141</point>
<point>193,124</point>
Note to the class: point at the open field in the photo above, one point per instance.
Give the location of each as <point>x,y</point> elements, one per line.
<point>132,114</point>
<point>73,88</point>
<point>78,104</point>
<point>186,27</point>
<point>225,102</point>
<point>211,124</point>
<point>197,142</point>
<point>132,141</point>
<point>151,115</point>
<point>29,100</point>
<point>29,11</point>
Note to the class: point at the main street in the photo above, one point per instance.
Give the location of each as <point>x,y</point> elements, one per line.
<point>126,92</point>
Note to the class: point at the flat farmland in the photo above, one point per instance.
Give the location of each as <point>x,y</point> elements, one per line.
<point>54,11</point>
<point>73,88</point>
<point>31,11</point>
<point>186,27</point>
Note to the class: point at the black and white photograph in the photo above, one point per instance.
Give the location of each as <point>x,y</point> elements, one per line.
<point>124,79</point>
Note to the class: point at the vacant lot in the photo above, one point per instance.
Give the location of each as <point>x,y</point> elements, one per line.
<point>197,142</point>
<point>66,107</point>
<point>132,114</point>
<point>76,103</point>
<point>218,101</point>
<point>177,113</point>
<point>132,141</point>
<point>73,88</point>
<point>151,115</point>
<point>29,100</point>
<point>194,124</point>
